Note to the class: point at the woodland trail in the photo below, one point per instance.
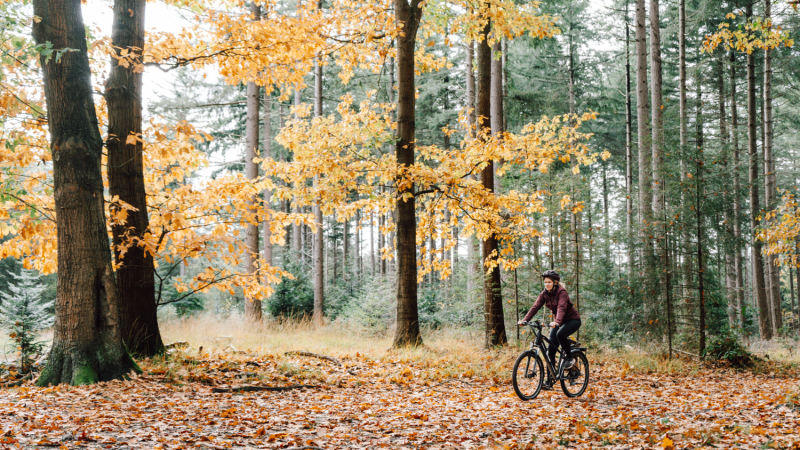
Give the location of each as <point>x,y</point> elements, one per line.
<point>373,404</point>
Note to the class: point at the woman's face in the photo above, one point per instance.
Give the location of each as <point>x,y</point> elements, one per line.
<point>548,284</point>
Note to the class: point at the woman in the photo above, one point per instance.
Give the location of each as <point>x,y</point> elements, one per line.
<point>567,321</point>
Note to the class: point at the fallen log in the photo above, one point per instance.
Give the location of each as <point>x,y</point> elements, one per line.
<point>263,388</point>
<point>315,355</point>
<point>686,353</point>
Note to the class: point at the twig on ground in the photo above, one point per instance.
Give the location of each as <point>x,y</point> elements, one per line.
<point>262,388</point>
<point>686,353</point>
<point>20,381</point>
<point>315,355</point>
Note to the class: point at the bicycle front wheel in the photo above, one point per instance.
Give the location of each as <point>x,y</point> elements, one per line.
<point>576,379</point>
<point>528,375</point>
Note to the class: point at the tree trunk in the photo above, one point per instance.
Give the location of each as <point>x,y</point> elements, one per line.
<point>408,17</point>
<point>684,145</point>
<point>267,144</point>
<point>496,104</point>
<point>471,124</point>
<point>297,229</point>
<point>737,206</point>
<point>135,274</point>
<point>628,146</point>
<point>642,115</point>
<point>87,336</point>
<point>252,307</point>
<point>657,113</point>
<point>346,249</point>
<point>318,247</point>
<point>769,183</point>
<point>791,294</point>
<point>797,275</point>
<point>381,241</point>
<point>493,300</point>
<point>699,195</point>
<point>759,285</point>
<point>726,231</point>
<point>372,243</point>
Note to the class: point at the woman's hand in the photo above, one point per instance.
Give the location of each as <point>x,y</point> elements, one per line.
<point>553,325</point>
<point>521,322</point>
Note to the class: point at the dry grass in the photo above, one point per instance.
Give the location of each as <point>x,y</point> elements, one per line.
<point>453,352</point>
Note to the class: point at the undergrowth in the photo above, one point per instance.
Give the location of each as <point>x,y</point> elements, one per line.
<point>446,353</point>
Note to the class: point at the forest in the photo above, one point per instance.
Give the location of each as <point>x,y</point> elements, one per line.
<point>234,209</point>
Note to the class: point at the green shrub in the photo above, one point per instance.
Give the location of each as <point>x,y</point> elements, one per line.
<point>292,298</point>
<point>727,347</point>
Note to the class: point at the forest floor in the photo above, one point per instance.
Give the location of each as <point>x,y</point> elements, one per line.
<point>449,394</point>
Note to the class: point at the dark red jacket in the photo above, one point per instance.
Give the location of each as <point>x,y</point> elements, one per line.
<point>558,302</point>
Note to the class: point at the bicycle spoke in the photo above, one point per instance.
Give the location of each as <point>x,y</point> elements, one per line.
<point>527,376</point>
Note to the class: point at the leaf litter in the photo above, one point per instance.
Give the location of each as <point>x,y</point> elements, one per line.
<point>396,402</point>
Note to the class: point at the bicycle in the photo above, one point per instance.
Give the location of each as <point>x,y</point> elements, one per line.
<point>528,373</point>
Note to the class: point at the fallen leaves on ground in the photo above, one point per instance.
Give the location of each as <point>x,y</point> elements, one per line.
<point>397,403</point>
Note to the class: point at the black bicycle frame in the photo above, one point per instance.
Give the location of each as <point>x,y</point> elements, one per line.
<point>540,344</point>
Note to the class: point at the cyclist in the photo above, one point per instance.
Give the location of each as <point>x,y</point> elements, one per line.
<point>567,322</point>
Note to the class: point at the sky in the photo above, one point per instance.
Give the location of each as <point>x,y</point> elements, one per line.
<point>97,14</point>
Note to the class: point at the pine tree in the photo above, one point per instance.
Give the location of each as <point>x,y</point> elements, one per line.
<point>24,312</point>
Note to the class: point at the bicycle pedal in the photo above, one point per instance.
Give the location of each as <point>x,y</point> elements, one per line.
<point>547,387</point>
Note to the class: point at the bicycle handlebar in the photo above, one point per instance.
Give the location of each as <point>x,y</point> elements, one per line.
<point>534,324</point>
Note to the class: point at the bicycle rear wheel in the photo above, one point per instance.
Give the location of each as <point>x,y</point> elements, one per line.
<point>576,379</point>
<point>528,375</point>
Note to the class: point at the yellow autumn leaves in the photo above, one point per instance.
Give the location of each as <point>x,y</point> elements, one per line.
<point>351,155</point>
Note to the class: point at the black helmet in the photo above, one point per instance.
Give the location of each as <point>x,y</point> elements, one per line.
<point>552,274</point>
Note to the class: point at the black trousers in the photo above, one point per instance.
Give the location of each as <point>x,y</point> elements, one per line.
<point>560,337</point>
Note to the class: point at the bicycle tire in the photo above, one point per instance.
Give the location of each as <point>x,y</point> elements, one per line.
<point>530,366</point>
<point>581,378</point>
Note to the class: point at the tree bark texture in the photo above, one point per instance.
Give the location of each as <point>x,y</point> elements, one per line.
<point>759,283</point>
<point>87,337</point>
<point>319,268</point>
<point>657,115</point>
<point>737,192</point>
<point>628,145</point>
<point>252,307</point>
<point>407,333</point>
<point>700,195</point>
<point>773,271</point>
<point>496,102</point>
<point>642,115</point>
<point>493,299</point>
<point>267,145</point>
<point>684,142</point>
<point>136,272</point>
<point>726,233</point>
